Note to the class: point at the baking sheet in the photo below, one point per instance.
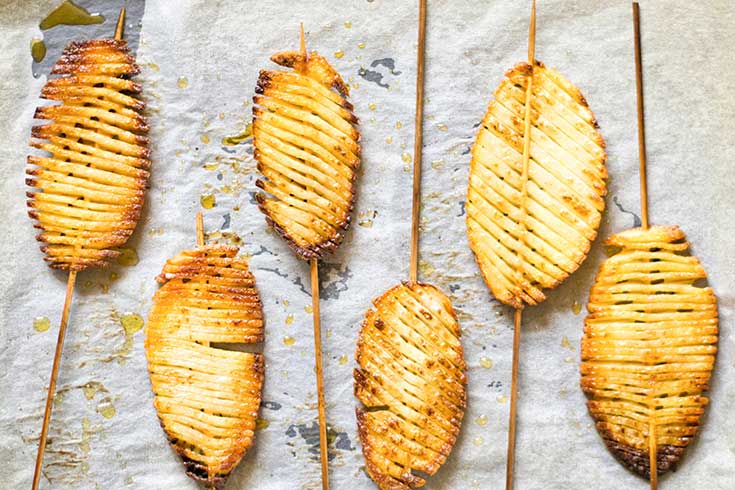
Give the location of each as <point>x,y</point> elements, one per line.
<point>199,63</point>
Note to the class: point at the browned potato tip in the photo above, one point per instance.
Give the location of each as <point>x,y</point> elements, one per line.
<point>412,383</point>
<point>530,235</point>
<point>207,397</point>
<point>89,187</point>
<point>649,346</point>
<point>308,152</point>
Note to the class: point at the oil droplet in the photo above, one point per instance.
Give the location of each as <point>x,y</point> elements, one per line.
<point>38,49</point>
<point>308,309</point>
<point>361,45</point>
<point>211,166</point>
<point>576,307</point>
<point>286,302</point>
<point>208,201</point>
<point>565,343</point>
<point>478,441</point>
<point>339,54</point>
<point>399,125</point>
<point>41,324</point>
<point>486,362</point>
<point>289,319</point>
<point>261,424</point>
<point>128,257</point>
<point>372,106</point>
<point>58,398</point>
<point>154,67</point>
<point>348,24</point>
<point>238,138</point>
<point>442,127</point>
<point>131,322</point>
<point>182,82</point>
<point>70,14</point>
<point>406,157</point>
<point>481,420</point>
<point>436,164</point>
<point>389,140</point>
<point>205,139</point>
<point>288,340</point>
<point>106,409</point>
<point>342,360</point>
<point>89,391</point>
<point>568,360</point>
<point>502,399</point>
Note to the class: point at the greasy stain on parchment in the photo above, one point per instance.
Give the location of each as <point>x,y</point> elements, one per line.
<point>69,20</point>
<point>70,14</point>
<point>379,69</point>
<point>337,441</point>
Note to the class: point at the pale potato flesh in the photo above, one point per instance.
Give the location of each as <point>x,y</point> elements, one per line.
<point>530,236</point>
<point>649,347</point>
<point>207,397</point>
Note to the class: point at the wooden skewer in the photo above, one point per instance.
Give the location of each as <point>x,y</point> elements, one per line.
<point>314,265</point>
<point>71,280</point>
<point>518,317</point>
<point>319,373</point>
<point>120,27</point>
<point>641,122</point>
<point>52,382</point>
<point>652,443</point>
<point>200,229</point>
<point>418,144</point>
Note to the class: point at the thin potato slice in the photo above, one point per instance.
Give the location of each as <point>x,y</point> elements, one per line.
<point>308,151</point>
<point>649,347</point>
<point>89,188</point>
<point>207,398</point>
<point>412,383</point>
<point>530,236</point>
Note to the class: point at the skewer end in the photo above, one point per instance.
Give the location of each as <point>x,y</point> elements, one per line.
<point>200,229</point>
<point>302,40</point>
<point>120,28</point>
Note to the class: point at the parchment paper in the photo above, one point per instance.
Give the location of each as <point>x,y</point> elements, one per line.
<point>200,61</point>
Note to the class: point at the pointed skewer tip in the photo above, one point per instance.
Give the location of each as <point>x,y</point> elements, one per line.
<point>302,40</point>
<point>120,27</point>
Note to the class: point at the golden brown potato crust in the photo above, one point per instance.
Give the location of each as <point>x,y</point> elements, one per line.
<point>412,382</point>
<point>307,148</point>
<point>207,398</point>
<point>649,346</point>
<point>89,189</point>
<point>527,242</point>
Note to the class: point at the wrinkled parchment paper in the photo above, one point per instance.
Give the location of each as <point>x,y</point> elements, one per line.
<point>200,61</point>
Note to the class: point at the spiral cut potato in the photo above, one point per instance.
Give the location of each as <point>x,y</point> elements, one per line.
<point>531,235</point>
<point>307,150</point>
<point>411,379</point>
<point>89,190</point>
<point>207,398</point>
<point>649,347</point>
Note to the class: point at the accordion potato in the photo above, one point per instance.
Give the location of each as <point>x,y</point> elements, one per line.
<point>648,348</point>
<point>207,398</point>
<point>308,152</point>
<point>411,380</point>
<point>529,234</point>
<point>89,188</point>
